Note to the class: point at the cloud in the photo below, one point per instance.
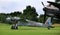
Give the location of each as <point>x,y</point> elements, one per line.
<point>7,6</point>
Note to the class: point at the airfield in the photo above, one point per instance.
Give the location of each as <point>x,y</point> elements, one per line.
<point>25,30</point>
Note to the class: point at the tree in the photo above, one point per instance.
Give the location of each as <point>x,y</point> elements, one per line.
<point>30,13</point>
<point>41,18</point>
<point>15,13</point>
<point>2,17</point>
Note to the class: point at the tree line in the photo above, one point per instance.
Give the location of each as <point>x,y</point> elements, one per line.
<point>28,13</point>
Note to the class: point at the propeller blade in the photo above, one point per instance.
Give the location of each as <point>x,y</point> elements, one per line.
<point>43,4</point>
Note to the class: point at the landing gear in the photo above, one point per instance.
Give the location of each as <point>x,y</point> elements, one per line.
<point>49,27</point>
<point>14,27</point>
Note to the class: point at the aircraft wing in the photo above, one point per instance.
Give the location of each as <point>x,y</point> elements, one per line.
<point>55,4</point>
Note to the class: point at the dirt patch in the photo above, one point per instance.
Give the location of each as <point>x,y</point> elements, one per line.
<point>56,25</point>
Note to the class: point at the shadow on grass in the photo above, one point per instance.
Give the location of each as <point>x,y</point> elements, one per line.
<point>27,29</point>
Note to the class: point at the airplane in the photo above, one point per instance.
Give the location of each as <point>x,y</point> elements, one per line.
<point>53,10</point>
<point>22,23</point>
<point>26,23</point>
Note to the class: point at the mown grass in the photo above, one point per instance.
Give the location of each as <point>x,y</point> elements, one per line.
<point>25,30</point>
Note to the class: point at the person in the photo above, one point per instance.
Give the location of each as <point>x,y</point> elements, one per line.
<point>48,23</point>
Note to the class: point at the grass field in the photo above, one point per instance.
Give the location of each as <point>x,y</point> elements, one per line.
<point>24,30</point>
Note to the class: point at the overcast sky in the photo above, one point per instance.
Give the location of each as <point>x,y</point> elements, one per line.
<point>8,6</point>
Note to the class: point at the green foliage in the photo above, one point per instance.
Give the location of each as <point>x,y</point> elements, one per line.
<point>30,13</point>
<point>15,13</point>
<point>23,20</point>
<point>2,17</point>
<point>41,18</point>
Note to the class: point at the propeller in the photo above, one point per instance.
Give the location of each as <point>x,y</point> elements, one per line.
<point>44,12</point>
<point>43,4</point>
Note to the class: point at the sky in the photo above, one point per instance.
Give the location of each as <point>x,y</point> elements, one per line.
<point>8,6</point>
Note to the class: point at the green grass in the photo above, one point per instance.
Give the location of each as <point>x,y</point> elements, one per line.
<point>24,30</point>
